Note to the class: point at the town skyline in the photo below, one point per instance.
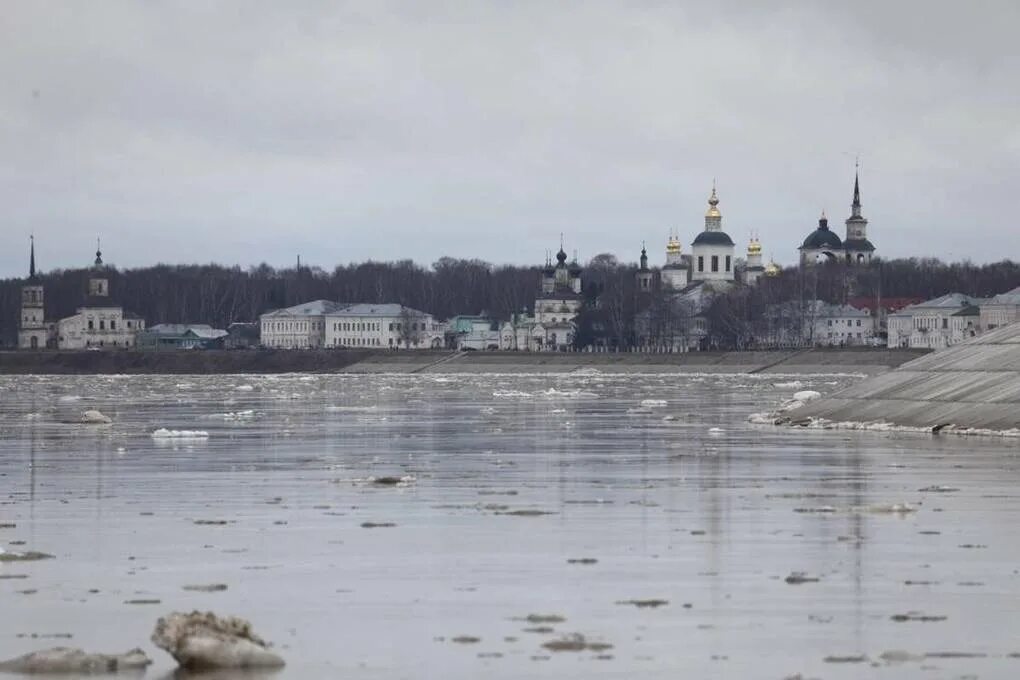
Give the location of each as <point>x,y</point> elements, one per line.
<point>346,133</point>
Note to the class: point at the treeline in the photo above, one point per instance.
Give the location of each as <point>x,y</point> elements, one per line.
<point>221,295</point>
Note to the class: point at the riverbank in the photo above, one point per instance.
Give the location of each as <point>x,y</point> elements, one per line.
<point>864,360</point>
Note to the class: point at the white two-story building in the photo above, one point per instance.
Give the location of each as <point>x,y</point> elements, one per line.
<point>379,326</point>
<point>933,324</point>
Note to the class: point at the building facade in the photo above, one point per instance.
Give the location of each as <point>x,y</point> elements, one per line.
<point>941,322</point>
<point>382,326</point>
<point>179,336</point>
<point>299,327</point>
<point>1001,310</point>
<point>465,332</point>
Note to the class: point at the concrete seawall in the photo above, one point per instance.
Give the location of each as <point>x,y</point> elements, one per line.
<point>867,361</point>
<point>973,385</point>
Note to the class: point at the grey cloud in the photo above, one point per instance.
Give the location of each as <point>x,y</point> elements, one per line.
<point>250,131</point>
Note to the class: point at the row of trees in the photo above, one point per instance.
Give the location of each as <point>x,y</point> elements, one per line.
<point>221,295</point>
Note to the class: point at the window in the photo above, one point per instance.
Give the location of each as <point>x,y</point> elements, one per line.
<point>945,323</point>
<point>701,263</point>
<point>91,326</point>
<point>858,323</point>
<point>113,324</point>
<point>715,263</point>
<point>727,263</point>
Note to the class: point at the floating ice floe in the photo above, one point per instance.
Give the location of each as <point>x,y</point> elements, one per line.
<point>793,384</point>
<point>716,430</point>
<point>510,394</point>
<point>231,415</point>
<point>653,403</point>
<point>244,388</point>
<point>93,417</point>
<point>553,393</point>
<point>163,433</point>
<point>804,396</point>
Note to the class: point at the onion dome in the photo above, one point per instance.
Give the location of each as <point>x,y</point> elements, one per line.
<point>754,247</point>
<point>773,269</point>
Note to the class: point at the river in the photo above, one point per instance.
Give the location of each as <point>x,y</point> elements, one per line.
<point>545,526</point>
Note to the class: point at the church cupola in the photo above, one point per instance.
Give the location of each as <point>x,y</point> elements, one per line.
<point>99,285</point>
<point>644,274</point>
<point>754,268</point>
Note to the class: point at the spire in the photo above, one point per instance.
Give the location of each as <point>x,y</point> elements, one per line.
<point>99,254</point>
<point>823,222</point>
<point>855,207</point>
<point>31,257</point>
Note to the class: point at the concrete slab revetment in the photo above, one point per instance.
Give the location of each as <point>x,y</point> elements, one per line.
<point>971,386</point>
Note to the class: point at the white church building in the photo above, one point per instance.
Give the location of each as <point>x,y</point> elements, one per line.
<point>99,323</point>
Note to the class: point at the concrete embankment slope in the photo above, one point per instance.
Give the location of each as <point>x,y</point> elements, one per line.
<point>975,384</point>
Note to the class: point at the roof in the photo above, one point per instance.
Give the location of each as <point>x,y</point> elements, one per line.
<point>313,308</point>
<point>949,301</point>
<point>969,310</point>
<point>1010,297</point>
<point>822,238</point>
<point>858,244</point>
<point>388,309</point>
<point>890,304</point>
<point>712,238</point>
<point>201,330</point>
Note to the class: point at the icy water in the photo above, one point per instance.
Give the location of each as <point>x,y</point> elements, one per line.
<point>662,531</point>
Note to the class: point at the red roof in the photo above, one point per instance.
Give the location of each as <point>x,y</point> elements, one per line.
<point>892,304</point>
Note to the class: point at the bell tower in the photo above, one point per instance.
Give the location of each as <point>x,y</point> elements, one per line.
<point>32,332</point>
<point>99,285</point>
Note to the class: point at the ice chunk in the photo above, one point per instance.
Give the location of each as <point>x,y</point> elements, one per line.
<point>93,417</point>
<point>163,433</point>
<point>805,396</point>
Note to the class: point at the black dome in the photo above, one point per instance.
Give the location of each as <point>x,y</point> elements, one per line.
<point>822,238</point>
<point>712,238</point>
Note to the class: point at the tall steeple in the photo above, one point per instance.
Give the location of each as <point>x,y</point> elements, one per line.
<point>31,257</point>
<point>99,254</point>
<point>855,207</point>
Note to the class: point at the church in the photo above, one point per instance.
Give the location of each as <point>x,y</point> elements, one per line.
<point>100,323</point>
<point>551,326</point>
<point>824,245</point>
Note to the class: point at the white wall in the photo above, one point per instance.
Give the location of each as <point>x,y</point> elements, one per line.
<point>707,252</point>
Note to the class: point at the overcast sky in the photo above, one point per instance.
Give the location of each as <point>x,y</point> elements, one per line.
<point>243,132</point>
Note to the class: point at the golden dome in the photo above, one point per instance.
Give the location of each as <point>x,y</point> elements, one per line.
<point>673,246</point>
<point>754,247</point>
<point>713,202</point>
<point>773,269</point>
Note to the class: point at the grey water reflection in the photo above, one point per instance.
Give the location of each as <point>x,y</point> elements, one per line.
<point>581,525</point>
